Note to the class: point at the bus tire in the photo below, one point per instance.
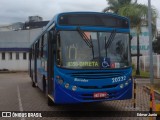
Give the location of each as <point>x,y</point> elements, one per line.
<point>44,84</point>
<point>50,102</point>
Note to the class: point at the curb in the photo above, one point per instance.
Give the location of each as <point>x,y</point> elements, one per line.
<point>140,77</point>
<point>7,71</point>
<point>147,89</point>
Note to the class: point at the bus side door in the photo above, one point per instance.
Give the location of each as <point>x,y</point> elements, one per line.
<point>50,62</point>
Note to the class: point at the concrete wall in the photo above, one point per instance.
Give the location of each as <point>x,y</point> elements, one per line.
<point>14,64</point>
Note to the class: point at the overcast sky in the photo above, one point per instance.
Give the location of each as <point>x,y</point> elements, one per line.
<point>12,11</point>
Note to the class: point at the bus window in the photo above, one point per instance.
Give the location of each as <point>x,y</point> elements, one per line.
<point>58,50</point>
<point>33,52</point>
<point>39,53</point>
<point>37,49</point>
<point>45,46</point>
<point>42,42</point>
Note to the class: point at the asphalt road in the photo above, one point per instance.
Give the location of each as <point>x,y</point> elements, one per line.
<point>17,94</point>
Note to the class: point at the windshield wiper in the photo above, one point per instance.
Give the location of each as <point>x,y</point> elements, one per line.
<point>86,39</point>
<point>110,39</point>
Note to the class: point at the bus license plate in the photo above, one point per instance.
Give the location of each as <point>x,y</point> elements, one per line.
<point>100,95</point>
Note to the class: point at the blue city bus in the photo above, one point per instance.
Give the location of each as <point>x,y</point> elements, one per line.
<point>83,57</point>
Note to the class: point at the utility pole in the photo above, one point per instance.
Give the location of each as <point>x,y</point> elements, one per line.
<point>138,55</point>
<point>150,42</point>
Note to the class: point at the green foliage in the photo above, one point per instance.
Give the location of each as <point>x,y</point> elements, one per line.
<point>156,86</point>
<point>115,5</point>
<point>143,74</point>
<point>130,8</point>
<point>133,66</point>
<point>137,13</point>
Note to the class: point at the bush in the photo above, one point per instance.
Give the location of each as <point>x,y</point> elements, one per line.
<point>133,66</point>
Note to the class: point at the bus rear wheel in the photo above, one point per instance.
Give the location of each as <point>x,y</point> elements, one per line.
<point>33,84</point>
<point>44,84</point>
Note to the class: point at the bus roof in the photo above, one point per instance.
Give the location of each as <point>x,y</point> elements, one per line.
<point>56,18</point>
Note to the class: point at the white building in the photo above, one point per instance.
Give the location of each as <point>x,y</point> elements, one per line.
<point>143,41</point>
<point>14,60</point>
<point>14,49</point>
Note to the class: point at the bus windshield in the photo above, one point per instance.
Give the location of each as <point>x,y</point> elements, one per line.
<point>106,50</point>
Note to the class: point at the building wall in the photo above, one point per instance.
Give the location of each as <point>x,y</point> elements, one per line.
<point>14,64</point>
<point>5,28</point>
<point>143,41</point>
<point>18,42</point>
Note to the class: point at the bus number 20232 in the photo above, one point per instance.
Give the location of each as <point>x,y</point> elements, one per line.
<point>118,79</point>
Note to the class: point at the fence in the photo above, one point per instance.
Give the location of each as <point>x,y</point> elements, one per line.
<point>145,64</point>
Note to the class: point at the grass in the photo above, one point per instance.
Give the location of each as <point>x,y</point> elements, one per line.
<point>142,74</point>
<point>147,75</point>
<point>156,87</point>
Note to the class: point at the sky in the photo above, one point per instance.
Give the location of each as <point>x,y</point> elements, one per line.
<point>12,11</point>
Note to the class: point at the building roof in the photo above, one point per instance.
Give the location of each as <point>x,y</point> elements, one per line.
<point>14,49</point>
<point>18,40</point>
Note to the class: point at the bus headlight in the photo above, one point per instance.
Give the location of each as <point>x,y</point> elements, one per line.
<point>74,88</point>
<point>67,85</point>
<point>126,83</point>
<point>121,85</point>
<point>58,77</point>
<point>130,79</point>
<point>60,81</point>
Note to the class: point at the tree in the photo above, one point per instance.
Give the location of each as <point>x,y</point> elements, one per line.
<point>115,5</point>
<point>137,13</point>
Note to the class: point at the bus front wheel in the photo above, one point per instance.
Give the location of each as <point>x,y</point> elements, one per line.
<point>50,102</point>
